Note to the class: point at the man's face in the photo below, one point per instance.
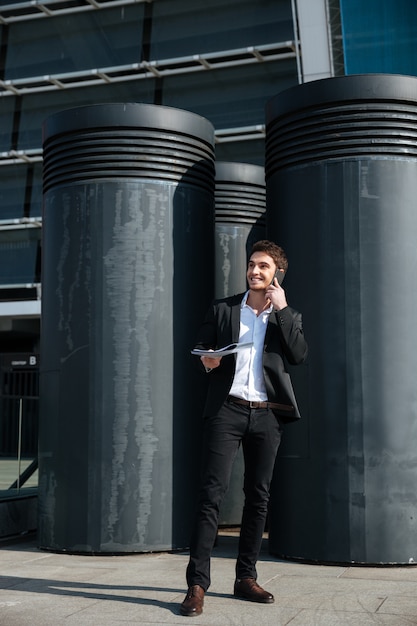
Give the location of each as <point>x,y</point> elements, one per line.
<point>261,271</point>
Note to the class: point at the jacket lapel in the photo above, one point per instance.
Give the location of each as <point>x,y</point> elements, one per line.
<point>272,321</point>
<point>235,318</point>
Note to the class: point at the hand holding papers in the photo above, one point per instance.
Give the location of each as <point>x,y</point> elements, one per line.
<point>230,349</point>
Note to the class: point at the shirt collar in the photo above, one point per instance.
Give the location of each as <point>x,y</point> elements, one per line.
<point>244,301</point>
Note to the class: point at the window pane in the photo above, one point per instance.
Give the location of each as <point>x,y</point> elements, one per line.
<point>36,197</point>
<point>231,97</point>
<point>6,122</point>
<point>92,39</point>
<point>252,151</point>
<point>13,182</point>
<point>19,400</point>
<point>380,36</point>
<point>37,107</point>
<point>19,251</point>
<point>182,28</point>
<point>12,191</point>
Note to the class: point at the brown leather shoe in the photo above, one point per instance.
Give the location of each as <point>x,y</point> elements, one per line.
<point>248,589</point>
<point>193,602</point>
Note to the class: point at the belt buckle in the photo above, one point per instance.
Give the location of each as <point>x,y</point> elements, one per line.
<point>253,404</point>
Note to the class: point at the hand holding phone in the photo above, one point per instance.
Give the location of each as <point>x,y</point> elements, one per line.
<point>276,294</point>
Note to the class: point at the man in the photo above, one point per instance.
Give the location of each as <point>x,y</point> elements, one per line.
<point>250,395</point>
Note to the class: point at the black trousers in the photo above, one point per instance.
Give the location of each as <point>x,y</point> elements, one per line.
<point>259,433</point>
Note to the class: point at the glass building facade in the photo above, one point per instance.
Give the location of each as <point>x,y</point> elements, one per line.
<point>379,36</point>
<point>221,60</point>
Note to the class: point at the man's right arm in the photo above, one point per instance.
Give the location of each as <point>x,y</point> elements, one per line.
<point>293,341</point>
<point>207,340</point>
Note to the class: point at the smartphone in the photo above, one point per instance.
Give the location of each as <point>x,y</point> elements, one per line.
<point>279,276</point>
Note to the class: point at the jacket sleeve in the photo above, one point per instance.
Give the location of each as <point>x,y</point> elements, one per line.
<point>206,336</point>
<point>293,341</point>
<point>207,333</point>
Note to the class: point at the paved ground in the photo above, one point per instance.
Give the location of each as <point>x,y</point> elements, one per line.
<point>39,588</point>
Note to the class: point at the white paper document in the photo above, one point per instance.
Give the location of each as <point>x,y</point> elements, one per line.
<point>230,349</point>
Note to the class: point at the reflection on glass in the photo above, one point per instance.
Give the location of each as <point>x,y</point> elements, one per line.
<point>19,407</point>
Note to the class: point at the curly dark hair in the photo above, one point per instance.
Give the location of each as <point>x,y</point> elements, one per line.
<point>275,252</point>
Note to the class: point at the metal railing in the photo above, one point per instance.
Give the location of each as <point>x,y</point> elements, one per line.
<point>34,9</point>
<point>149,69</point>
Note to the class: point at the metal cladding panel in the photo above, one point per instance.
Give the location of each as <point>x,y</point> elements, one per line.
<point>123,260</point>
<point>346,473</point>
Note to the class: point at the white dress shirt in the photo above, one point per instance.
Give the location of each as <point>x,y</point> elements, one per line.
<point>248,382</point>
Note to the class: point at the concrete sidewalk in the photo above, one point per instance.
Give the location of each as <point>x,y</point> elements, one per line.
<point>39,588</point>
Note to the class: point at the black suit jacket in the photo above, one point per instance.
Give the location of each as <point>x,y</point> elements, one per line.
<point>284,341</point>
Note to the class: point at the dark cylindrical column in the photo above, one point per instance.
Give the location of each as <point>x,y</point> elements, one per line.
<point>341,171</point>
<point>240,205</point>
<point>128,212</point>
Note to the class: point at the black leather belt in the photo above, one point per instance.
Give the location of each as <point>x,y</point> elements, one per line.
<point>259,404</point>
